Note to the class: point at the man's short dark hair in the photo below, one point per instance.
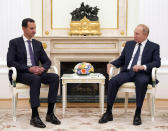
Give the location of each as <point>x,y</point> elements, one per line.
<point>25,22</point>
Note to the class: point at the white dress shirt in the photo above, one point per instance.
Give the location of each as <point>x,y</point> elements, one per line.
<point>140,55</point>
<point>27,50</point>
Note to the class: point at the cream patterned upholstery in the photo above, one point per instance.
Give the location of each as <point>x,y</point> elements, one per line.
<point>24,86</point>
<point>132,85</point>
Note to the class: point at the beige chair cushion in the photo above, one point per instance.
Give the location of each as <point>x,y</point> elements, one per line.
<point>132,85</point>
<point>24,86</point>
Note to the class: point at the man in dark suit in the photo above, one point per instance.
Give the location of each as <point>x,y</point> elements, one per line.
<point>25,54</point>
<point>137,60</point>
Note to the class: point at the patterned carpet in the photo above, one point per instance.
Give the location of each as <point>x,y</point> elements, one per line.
<point>85,119</point>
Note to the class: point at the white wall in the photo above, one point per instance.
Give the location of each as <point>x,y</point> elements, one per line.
<point>153,13</point>
<point>150,12</point>
<point>132,20</point>
<point>36,14</point>
<point>12,12</point>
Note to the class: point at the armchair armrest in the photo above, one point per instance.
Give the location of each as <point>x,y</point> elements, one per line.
<point>111,72</point>
<point>14,75</point>
<point>154,76</point>
<point>55,69</point>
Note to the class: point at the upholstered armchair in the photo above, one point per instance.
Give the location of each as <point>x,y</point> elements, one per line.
<point>17,88</point>
<point>130,87</point>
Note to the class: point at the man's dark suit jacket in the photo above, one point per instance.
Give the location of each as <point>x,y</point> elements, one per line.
<point>17,55</point>
<point>150,56</point>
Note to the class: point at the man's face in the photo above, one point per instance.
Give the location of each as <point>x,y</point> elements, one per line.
<point>30,30</point>
<point>139,35</point>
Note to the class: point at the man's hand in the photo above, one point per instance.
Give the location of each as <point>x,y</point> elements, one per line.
<point>108,67</point>
<point>32,69</point>
<point>42,69</point>
<point>36,70</point>
<point>137,68</point>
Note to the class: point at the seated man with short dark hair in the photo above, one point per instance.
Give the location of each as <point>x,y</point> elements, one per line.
<point>25,54</point>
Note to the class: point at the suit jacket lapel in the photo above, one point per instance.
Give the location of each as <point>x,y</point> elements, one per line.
<point>131,49</point>
<point>23,47</point>
<point>34,50</point>
<point>146,48</point>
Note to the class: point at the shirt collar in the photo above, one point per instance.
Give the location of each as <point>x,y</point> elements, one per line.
<point>25,39</point>
<point>143,43</point>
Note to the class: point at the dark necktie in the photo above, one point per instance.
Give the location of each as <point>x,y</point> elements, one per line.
<point>31,53</point>
<point>134,62</point>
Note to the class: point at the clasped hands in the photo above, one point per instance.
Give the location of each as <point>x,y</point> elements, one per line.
<point>136,68</point>
<point>37,70</point>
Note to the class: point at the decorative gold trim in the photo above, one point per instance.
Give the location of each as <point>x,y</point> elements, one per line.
<point>46,33</point>
<point>117,14</point>
<point>44,45</point>
<point>51,15</point>
<point>109,28</point>
<point>126,15</point>
<point>85,43</point>
<point>84,27</point>
<point>82,48</point>
<point>123,44</point>
<point>122,33</point>
<point>42,17</point>
<point>69,28</point>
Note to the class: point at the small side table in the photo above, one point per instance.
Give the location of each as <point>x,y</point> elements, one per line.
<point>91,78</point>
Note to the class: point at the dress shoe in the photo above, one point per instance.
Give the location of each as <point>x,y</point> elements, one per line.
<point>137,120</point>
<point>52,118</point>
<point>37,122</point>
<point>106,117</point>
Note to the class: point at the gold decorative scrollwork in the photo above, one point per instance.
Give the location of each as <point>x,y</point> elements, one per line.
<point>44,45</point>
<point>46,33</point>
<point>84,27</point>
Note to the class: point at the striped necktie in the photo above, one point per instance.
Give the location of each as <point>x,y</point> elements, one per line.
<point>31,53</point>
<point>134,62</point>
